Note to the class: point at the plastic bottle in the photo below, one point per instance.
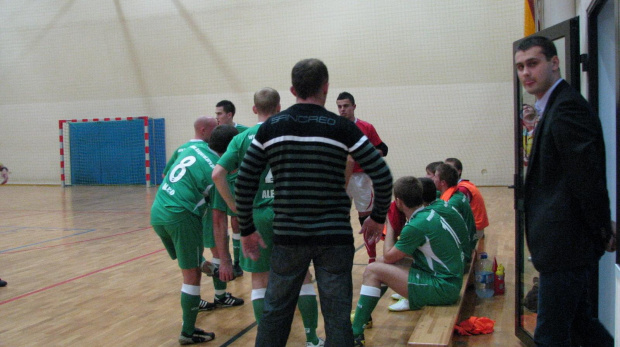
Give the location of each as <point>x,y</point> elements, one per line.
<point>500,286</point>
<point>484,277</point>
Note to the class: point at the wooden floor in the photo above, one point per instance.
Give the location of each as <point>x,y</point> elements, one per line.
<point>85,268</point>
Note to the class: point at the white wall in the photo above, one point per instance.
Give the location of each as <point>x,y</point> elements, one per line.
<point>434,78</point>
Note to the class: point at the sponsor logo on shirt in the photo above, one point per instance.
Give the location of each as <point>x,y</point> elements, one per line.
<point>304,119</point>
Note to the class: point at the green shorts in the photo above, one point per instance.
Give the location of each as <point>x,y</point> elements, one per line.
<point>208,240</point>
<point>220,204</point>
<point>263,220</point>
<point>183,241</point>
<point>425,289</point>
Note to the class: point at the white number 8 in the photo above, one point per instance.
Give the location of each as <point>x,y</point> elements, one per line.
<point>181,168</point>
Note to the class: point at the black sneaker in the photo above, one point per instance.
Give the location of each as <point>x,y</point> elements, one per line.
<point>206,306</point>
<point>237,271</point>
<point>199,336</point>
<point>359,341</point>
<point>228,301</point>
<point>3,283</point>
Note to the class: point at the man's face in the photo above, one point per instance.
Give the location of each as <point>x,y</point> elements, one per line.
<point>223,117</point>
<point>346,109</point>
<point>430,174</point>
<point>536,73</point>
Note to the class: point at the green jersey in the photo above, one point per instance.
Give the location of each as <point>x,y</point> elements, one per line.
<point>181,192</point>
<point>231,160</point>
<point>241,128</point>
<point>460,202</point>
<point>179,150</point>
<point>433,244</point>
<point>456,221</point>
<point>232,174</point>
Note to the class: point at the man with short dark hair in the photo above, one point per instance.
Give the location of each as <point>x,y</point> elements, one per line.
<point>266,104</point>
<point>567,216</point>
<point>451,216</point>
<point>307,148</point>
<point>359,185</point>
<point>225,113</point>
<point>436,275</point>
<point>446,179</point>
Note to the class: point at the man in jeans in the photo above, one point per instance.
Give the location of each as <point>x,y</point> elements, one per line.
<point>307,148</point>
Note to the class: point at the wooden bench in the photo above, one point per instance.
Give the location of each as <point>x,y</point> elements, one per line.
<point>436,324</point>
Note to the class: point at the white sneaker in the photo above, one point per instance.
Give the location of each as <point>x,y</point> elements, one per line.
<point>400,305</point>
<point>321,343</point>
<point>396,296</point>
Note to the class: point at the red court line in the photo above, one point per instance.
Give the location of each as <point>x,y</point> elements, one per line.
<point>72,243</point>
<point>25,214</point>
<point>75,212</point>
<point>77,278</point>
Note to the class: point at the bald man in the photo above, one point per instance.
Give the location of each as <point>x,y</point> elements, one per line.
<point>203,127</point>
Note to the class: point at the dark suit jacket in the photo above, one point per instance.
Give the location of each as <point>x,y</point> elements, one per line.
<point>567,212</point>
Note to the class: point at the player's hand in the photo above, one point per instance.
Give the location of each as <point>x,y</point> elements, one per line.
<point>226,270</point>
<point>372,231</point>
<point>251,245</point>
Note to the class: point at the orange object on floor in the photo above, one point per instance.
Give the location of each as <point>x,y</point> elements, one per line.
<point>475,326</point>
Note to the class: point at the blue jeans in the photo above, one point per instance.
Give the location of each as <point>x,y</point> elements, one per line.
<point>565,311</point>
<point>289,264</point>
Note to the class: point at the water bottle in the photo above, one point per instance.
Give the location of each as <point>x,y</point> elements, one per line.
<point>484,277</point>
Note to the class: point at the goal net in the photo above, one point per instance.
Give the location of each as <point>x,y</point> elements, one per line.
<point>112,151</point>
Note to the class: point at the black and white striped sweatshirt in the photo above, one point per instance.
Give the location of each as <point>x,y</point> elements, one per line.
<point>307,147</point>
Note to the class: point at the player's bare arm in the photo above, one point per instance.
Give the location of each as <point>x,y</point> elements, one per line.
<point>221,183</point>
<point>220,233</point>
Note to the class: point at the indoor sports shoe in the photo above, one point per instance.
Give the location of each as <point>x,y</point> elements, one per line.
<point>228,301</point>
<point>400,305</point>
<point>206,306</point>
<point>199,336</point>
<point>396,296</point>
<point>237,271</point>
<point>3,283</point>
<point>359,341</point>
<point>321,343</point>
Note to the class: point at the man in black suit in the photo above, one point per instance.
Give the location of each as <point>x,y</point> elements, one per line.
<point>567,216</point>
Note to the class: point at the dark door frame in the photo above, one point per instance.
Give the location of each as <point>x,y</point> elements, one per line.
<point>593,96</point>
